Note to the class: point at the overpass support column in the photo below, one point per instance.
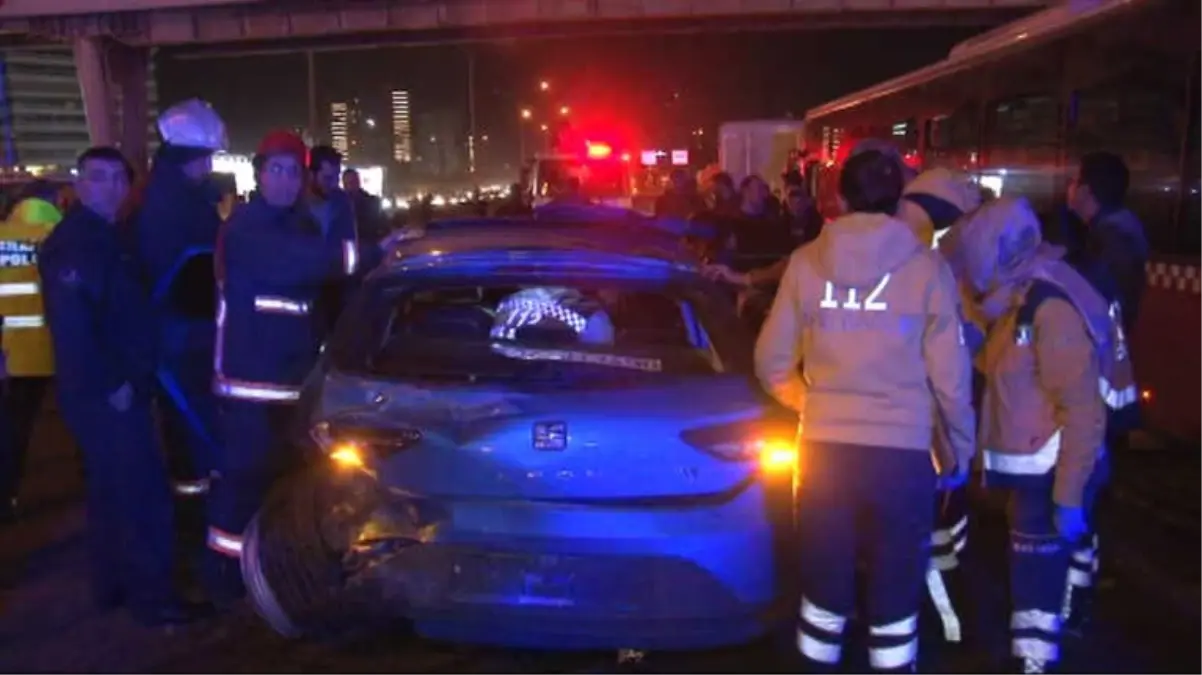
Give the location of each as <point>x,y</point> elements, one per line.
<point>96,89</point>
<point>130,67</point>
<point>112,79</point>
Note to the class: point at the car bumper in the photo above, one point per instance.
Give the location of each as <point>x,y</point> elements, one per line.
<point>554,575</point>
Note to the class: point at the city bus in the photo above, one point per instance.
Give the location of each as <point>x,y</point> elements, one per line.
<point>1018,106</point>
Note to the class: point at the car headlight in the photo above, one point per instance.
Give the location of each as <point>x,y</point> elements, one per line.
<point>353,444</point>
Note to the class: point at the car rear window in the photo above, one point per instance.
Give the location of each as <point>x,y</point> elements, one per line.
<point>539,332</point>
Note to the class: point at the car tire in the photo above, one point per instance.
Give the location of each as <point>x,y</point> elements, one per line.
<point>294,579</point>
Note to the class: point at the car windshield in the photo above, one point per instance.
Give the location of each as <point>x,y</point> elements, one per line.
<point>561,334</point>
<point>599,179</point>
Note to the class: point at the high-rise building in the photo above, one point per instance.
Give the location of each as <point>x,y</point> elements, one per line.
<point>345,132</point>
<point>340,126</point>
<point>402,127</point>
<point>42,121</point>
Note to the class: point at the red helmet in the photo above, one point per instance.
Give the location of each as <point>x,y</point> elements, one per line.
<point>283,143</point>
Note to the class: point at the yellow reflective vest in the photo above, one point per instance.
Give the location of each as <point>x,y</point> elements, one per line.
<point>26,336</point>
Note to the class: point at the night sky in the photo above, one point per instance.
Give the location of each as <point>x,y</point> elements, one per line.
<point>655,84</point>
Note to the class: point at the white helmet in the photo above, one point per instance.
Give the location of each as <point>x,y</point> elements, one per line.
<point>193,124</point>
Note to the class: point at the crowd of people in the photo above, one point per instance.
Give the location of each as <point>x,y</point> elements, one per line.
<point>988,349</point>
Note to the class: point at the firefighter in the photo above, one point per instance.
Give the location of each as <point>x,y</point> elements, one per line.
<point>272,263</point>
<point>104,349</point>
<point>26,341</point>
<point>177,223</point>
<point>1051,347</point>
<point>864,341</point>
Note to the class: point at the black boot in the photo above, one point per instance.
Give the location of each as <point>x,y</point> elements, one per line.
<point>1080,611</point>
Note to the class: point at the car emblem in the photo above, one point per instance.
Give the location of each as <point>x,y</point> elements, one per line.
<point>550,436</point>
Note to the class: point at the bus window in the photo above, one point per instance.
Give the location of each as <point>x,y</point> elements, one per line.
<point>1021,149</point>
<point>1191,202</point>
<point>1136,107</point>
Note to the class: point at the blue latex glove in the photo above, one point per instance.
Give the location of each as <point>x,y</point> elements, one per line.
<point>1070,522</point>
<point>952,480</point>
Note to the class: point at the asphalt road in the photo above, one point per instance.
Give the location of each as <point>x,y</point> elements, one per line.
<point>1148,610</point>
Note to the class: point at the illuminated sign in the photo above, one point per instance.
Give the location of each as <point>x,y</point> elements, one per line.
<point>680,158</point>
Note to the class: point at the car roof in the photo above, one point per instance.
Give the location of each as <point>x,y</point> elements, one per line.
<point>633,241</point>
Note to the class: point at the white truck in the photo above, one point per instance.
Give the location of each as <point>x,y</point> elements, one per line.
<point>762,147</point>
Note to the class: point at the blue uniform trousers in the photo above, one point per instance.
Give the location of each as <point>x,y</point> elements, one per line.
<point>1039,561</point>
<point>870,502</point>
<point>189,418</point>
<point>129,510</point>
<point>946,580</point>
<point>255,437</point>
<point>1083,561</point>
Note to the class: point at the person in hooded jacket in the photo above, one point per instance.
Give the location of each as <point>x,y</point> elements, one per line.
<point>176,231</point>
<point>864,340</point>
<point>273,261</point>
<point>931,203</point>
<point>1051,345</point>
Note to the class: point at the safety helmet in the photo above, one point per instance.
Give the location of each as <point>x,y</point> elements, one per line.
<point>193,124</point>
<point>37,212</point>
<point>282,142</point>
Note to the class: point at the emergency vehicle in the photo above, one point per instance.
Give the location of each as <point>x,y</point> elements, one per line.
<point>605,175</point>
<point>1017,107</point>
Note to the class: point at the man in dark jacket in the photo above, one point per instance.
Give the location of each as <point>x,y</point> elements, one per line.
<point>1115,252</point>
<point>369,212</point>
<point>104,345</point>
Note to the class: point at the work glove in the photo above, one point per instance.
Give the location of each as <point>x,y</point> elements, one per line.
<point>1070,522</point>
<point>952,480</point>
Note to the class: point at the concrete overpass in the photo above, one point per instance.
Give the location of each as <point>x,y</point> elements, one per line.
<point>112,38</point>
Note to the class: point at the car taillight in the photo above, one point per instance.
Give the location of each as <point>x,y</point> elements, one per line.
<point>772,446</point>
<point>774,455</point>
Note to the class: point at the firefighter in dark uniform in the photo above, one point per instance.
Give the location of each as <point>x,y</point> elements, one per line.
<point>273,262</point>
<point>178,222</point>
<point>104,347</point>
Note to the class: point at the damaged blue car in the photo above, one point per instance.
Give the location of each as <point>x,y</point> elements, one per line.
<point>534,435</point>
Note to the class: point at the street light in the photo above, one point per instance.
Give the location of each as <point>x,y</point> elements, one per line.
<point>527,113</point>
<point>544,85</point>
<point>564,110</point>
<point>543,127</point>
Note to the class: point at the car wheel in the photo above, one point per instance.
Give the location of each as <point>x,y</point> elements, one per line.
<point>294,578</point>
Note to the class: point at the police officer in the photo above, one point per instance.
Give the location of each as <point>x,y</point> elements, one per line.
<point>869,315</point>
<point>177,227</point>
<point>1049,347</point>
<point>273,261</point>
<point>104,348</point>
<point>26,341</point>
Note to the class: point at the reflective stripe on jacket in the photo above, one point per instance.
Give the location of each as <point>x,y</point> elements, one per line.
<point>26,337</point>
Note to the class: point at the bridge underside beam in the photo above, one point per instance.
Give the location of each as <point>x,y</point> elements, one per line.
<point>308,20</point>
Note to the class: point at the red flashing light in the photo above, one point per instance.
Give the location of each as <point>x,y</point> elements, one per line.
<point>598,150</point>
